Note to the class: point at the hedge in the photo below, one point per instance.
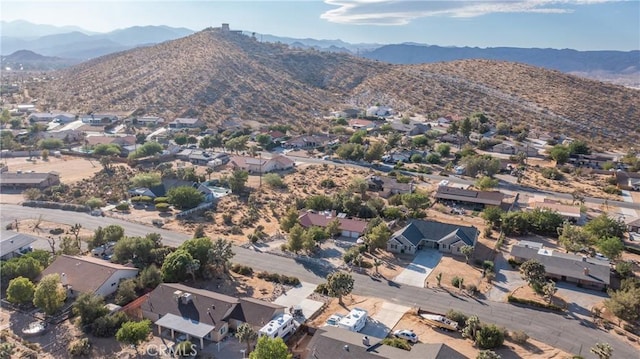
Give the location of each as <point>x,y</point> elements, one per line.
<point>162,207</point>
<point>160,200</point>
<point>278,278</point>
<point>242,270</point>
<point>143,199</point>
<point>533,303</point>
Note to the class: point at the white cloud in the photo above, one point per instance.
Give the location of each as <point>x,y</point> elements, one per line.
<point>398,12</point>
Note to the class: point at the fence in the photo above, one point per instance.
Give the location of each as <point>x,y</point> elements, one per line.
<point>200,208</point>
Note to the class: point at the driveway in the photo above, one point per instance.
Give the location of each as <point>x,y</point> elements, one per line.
<point>507,279</point>
<point>380,324</point>
<point>298,296</point>
<point>417,272</point>
<point>580,300</point>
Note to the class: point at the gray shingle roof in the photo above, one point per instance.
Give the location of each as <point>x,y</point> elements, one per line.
<point>418,230</point>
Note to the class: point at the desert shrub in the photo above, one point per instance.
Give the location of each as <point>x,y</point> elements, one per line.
<point>612,190</point>
<point>56,231</point>
<point>242,269</point>
<point>108,325</point>
<point>519,337</point>
<point>322,288</point>
<point>488,265</point>
<point>457,317</point>
<point>327,183</point>
<point>162,207</point>
<point>80,347</point>
<point>94,202</point>
<point>397,343</point>
<point>472,288</point>
<point>160,200</point>
<point>227,218</point>
<point>122,206</point>
<point>513,262</point>
<point>533,303</point>
<point>489,337</point>
<point>455,281</point>
<point>278,278</point>
<point>551,173</point>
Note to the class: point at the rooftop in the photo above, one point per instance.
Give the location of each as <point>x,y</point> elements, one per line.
<point>84,273</point>
<point>13,241</point>
<point>465,195</point>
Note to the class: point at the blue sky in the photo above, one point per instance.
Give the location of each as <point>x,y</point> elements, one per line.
<point>577,24</point>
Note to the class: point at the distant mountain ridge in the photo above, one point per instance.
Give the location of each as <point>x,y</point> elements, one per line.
<point>29,60</point>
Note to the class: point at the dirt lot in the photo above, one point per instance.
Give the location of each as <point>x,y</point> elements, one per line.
<point>371,305</point>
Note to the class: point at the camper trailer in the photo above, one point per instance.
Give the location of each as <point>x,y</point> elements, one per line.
<point>280,326</point>
<point>355,320</point>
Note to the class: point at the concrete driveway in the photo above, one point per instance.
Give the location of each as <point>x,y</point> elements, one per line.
<point>507,279</point>
<point>298,296</point>
<point>417,272</point>
<point>380,324</point>
<point>579,300</point>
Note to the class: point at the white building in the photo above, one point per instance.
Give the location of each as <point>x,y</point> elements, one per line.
<point>279,327</point>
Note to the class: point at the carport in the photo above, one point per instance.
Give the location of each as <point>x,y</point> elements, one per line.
<point>185,326</point>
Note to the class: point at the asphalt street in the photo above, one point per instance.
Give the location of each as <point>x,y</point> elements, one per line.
<point>566,332</point>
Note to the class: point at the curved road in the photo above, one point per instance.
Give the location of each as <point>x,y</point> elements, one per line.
<point>570,334</point>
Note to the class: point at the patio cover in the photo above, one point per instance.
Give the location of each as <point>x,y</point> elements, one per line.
<point>184,325</point>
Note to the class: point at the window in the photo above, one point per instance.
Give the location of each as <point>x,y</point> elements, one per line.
<point>223,330</point>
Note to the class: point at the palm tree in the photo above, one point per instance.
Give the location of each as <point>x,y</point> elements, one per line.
<point>246,333</point>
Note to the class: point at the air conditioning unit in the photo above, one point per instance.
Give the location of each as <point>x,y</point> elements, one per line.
<point>186,298</point>
<point>177,295</point>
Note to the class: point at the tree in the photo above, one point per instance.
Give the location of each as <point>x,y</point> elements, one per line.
<point>270,348</point>
<point>238,180</point>
<point>488,354</point>
<point>358,137</point>
<point>134,249</point>
<point>237,144</point>
<point>602,350</point>
<point>420,141</point>
<point>625,303</point>
<point>339,284</point>
<point>465,127</point>
<point>199,249</point>
<point>294,243</point>
<point>147,149</point>
<point>471,327</point>
<point>246,334</point>
<point>185,197</point>
<point>486,182</point>
<point>467,251</point>
<point>126,291</point>
<point>274,180</point>
<point>134,333</point>
<point>611,247</point>
<point>106,150</point>
<point>50,295</point>
<point>150,277</point>
<point>573,238</point>
<point>453,128</point>
<point>333,227</point>
<point>290,219</point>
<point>20,290</point>
<point>579,147</point>
<point>604,226</point>
<point>492,215</point>
<point>489,337</point>
<point>174,268</point>
<point>263,139</point>
<point>32,194</point>
<point>94,202</point>
<point>378,237</point>
<point>221,253</point>
<point>549,290</point>
<point>358,185</point>
<point>534,273</point>
<point>444,149</point>
<point>438,278</point>
<point>44,155</point>
<point>559,153</point>
<point>50,144</point>
<point>374,152</point>
<point>146,180</point>
<point>89,307</point>
<point>350,151</point>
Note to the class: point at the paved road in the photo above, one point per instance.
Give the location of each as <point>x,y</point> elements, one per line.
<point>572,335</point>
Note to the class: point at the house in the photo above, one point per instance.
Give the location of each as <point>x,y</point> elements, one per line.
<point>98,119</point>
<point>276,136</point>
<point>445,237</point>
<point>412,128</point>
<point>361,124</point>
<point>25,108</point>
<point>388,186</point>
<point>351,228</point>
<point>48,117</point>
<point>449,138</point>
<point>180,123</point>
<point>379,111</point>
<point>87,274</point>
<point>20,180</point>
<point>202,314</point>
<point>404,156</point>
<point>108,140</point>
<point>68,136</point>
<point>595,160</point>
<point>634,225</point>
<point>568,212</point>
<point>586,272</point>
<point>470,197</point>
<point>628,180</point>
<point>308,141</point>
<point>14,244</point>
<point>147,121</point>
<point>261,165</point>
<point>511,149</point>
<point>333,343</point>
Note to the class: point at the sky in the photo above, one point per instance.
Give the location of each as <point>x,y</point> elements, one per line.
<point>575,24</point>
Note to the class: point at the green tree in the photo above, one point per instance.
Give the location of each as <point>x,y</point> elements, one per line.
<point>559,153</point>
<point>270,348</point>
<point>489,337</point>
<point>333,227</point>
<point>89,307</point>
<point>94,202</point>
<point>126,291</point>
<point>492,216</point>
<point>453,128</point>
<point>134,333</point>
<point>134,249</point>
<point>465,127</point>
<point>147,149</point>
<point>319,202</point>
<point>50,294</point>
<point>185,197</point>
<point>246,334</point>
<point>274,180</point>
<point>444,149</point>
<point>471,327</point>
<point>358,137</point>
<point>467,251</point>
<point>534,273</point>
<point>604,226</point>
<point>488,354</point>
<point>611,247</point>
<point>176,265</point>
<point>150,277</point>
<point>549,290</point>
<point>602,350</point>
<point>106,150</point>
<point>263,139</point>
<point>294,243</point>
<point>378,237</point>
<point>20,290</point>
<point>237,144</point>
<point>221,253</point>
<point>201,250</point>
<point>238,180</point>
<point>420,141</point>
<point>579,147</point>
<point>50,144</point>
<point>28,267</point>
<point>573,238</point>
<point>147,180</point>
<point>290,219</point>
<point>339,284</point>
<point>415,200</point>
<point>486,182</point>
<point>625,302</point>
<point>180,139</point>
<point>375,152</point>
<point>350,151</point>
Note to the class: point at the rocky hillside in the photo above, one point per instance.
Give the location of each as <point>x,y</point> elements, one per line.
<point>219,76</point>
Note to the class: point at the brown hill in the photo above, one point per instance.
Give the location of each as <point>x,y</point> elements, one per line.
<point>220,75</point>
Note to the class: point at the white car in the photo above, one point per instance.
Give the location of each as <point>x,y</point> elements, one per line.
<point>333,320</point>
<point>406,334</point>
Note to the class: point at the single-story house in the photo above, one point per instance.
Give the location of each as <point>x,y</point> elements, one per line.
<point>445,237</point>
<point>67,136</point>
<point>361,124</point>
<point>628,180</point>
<point>333,343</point>
<point>87,274</point>
<point>352,228</point>
<point>147,120</point>
<point>14,244</point>
<point>202,314</point>
<point>308,141</point>
<point>380,111</point>
<point>587,272</point>
<point>122,141</point>
<point>179,123</point>
<point>511,149</point>
<point>388,186</point>
<point>22,180</point>
<point>49,116</point>
<point>634,225</point>
<point>97,119</point>
<point>261,165</point>
<point>568,212</point>
<point>470,197</point>
<point>413,128</point>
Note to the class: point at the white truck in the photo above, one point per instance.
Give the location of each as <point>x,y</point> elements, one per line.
<point>355,320</point>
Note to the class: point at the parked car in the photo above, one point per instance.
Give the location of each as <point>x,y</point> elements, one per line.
<point>406,334</point>
<point>333,320</point>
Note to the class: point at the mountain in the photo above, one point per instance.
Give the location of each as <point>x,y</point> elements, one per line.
<point>568,61</point>
<point>80,45</point>
<point>27,30</point>
<point>29,61</point>
<point>219,76</point>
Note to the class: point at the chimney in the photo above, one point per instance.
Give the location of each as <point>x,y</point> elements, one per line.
<point>64,280</point>
<point>585,271</point>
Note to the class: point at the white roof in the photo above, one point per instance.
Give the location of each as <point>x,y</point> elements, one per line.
<point>185,325</point>
<point>353,317</point>
<point>274,325</point>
